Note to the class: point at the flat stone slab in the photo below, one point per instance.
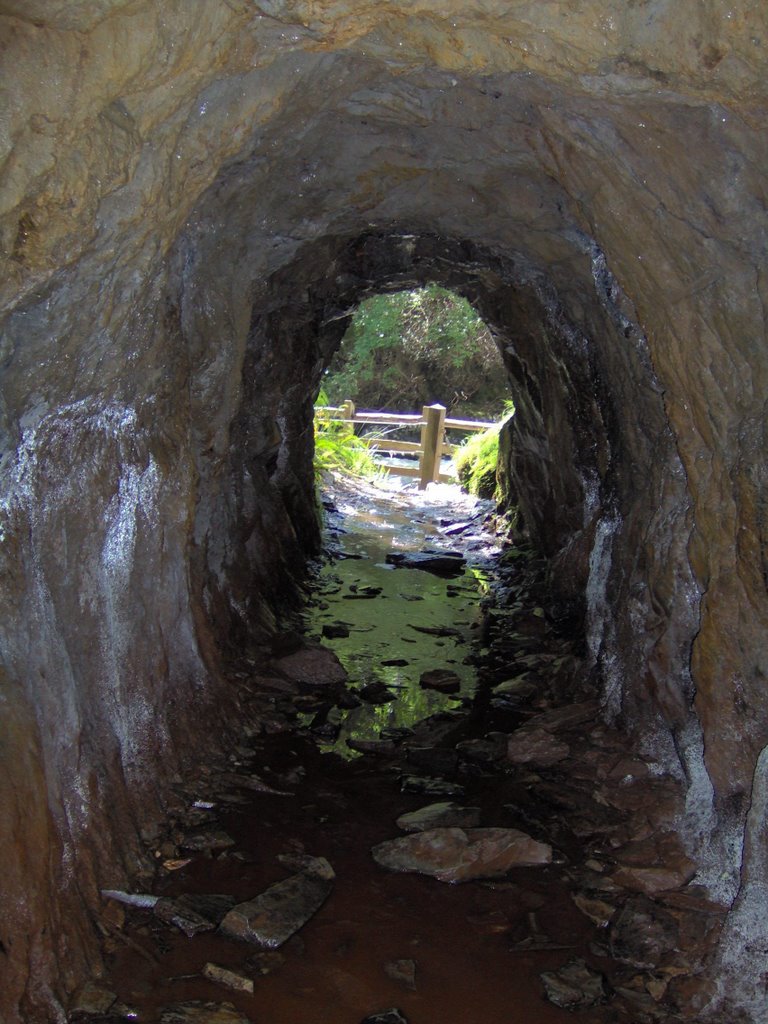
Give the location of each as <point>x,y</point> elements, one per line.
<point>271,918</point>
<point>459,855</point>
<point>444,814</point>
<point>193,914</point>
<point>443,564</point>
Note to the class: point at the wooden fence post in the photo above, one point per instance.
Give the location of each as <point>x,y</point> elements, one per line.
<point>348,413</point>
<point>432,433</point>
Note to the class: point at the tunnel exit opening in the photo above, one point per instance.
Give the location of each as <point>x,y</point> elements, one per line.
<point>404,356</point>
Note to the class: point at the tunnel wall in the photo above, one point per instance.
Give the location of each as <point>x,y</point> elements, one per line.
<point>180,203</point>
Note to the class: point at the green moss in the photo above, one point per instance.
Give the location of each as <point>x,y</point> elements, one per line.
<point>478,458</point>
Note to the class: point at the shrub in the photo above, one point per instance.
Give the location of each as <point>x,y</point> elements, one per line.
<point>339,450</point>
<point>477,460</point>
<point>411,348</point>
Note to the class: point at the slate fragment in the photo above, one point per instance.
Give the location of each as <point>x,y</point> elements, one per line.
<point>271,918</point>
<point>193,913</point>
<point>446,564</point>
<point>231,979</point>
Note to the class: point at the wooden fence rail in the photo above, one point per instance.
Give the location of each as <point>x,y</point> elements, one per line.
<point>430,449</point>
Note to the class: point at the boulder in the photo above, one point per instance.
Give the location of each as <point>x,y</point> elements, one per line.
<point>459,855</point>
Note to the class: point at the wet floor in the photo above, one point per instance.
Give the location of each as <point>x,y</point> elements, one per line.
<point>447,953</point>
<point>402,622</point>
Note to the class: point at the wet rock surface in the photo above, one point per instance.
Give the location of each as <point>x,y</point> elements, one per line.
<point>271,918</point>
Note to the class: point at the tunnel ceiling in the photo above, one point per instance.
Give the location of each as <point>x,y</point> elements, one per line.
<point>191,196</point>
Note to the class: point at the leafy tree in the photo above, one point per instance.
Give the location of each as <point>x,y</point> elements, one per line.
<point>412,348</point>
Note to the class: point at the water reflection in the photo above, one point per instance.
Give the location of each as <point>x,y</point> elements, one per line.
<point>385,608</point>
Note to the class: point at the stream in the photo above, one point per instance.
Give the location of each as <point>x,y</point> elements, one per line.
<point>283,893</point>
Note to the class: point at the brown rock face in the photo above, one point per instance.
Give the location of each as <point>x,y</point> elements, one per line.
<point>192,197</point>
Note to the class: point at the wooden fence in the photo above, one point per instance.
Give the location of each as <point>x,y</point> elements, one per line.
<point>430,449</point>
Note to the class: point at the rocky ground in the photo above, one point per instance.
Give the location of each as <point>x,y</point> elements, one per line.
<point>442,732</point>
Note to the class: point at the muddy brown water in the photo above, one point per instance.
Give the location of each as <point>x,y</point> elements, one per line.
<point>462,937</point>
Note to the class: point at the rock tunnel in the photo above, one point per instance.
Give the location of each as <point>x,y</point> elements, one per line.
<point>194,197</point>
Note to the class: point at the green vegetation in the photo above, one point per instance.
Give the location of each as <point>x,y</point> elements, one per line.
<point>412,348</point>
<point>478,458</point>
<point>338,450</point>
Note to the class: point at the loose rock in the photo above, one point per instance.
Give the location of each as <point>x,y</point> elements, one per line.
<point>223,976</point>
<point>335,631</point>
<point>444,564</point>
<point>193,913</point>
<point>376,693</point>
<point>574,985</point>
<point>271,918</point>
<point>132,899</point>
<point>440,679</point>
<point>312,666</point>
<point>458,855</point>
<point>93,1000</point>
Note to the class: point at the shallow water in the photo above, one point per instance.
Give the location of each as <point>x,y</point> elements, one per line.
<point>463,938</point>
<point>387,626</point>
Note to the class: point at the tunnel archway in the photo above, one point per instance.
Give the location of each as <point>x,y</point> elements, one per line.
<point>573,461</point>
<point>189,199</point>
